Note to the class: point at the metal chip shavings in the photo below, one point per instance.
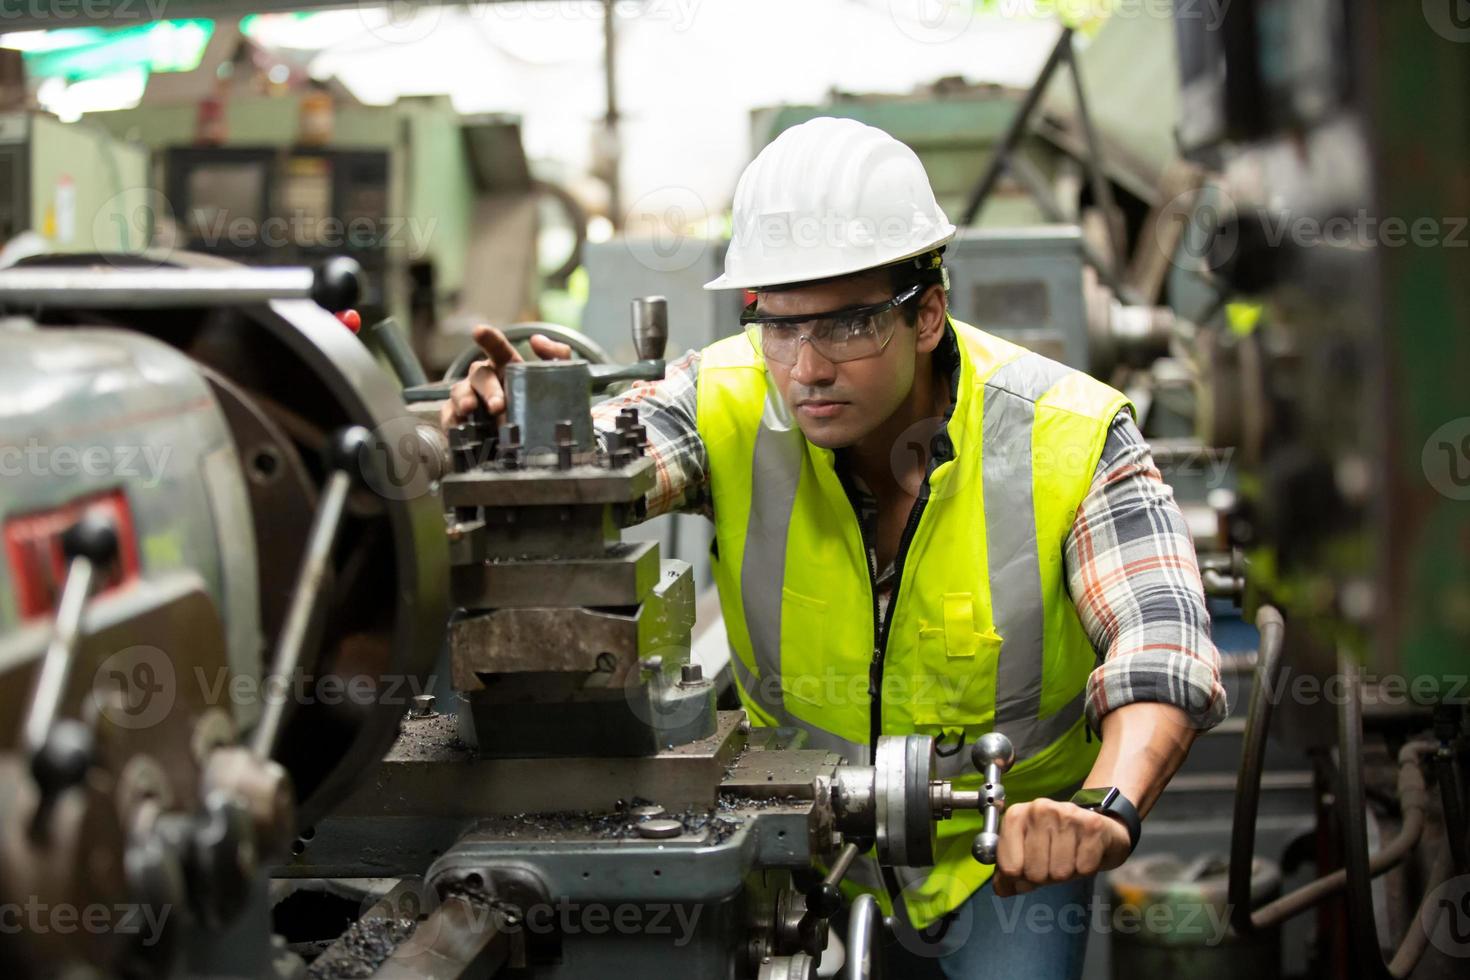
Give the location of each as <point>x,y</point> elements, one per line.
<point>364,947</point>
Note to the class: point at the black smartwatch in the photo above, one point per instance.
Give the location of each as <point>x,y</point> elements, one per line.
<point>1107,799</point>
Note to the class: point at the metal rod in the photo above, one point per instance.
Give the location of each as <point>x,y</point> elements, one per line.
<point>1035,183</point>
<point>862,935</point>
<point>1014,132</point>
<point>1272,628</point>
<point>840,867</point>
<point>152,288</point>
<point>966,799</point>
<point>987,843</point>
<point>1362,923</point>
<point>306,599</point>
<point>1102,191</point>
<point>61,652</point>
<point>610,120</point>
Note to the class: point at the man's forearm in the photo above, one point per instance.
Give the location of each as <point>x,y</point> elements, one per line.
<point>1143,745</point>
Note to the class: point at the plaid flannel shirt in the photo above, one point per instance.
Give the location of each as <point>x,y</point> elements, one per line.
<point>1130,562</point>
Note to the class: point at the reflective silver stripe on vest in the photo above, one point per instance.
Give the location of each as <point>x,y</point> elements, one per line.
<point>1012,563</point>
<point>775,473</point>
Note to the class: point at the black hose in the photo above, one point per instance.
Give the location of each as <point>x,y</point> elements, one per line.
<point>1454,809</point>
<point>1411,792</point>
<point>1353,805</point>
<point>1413,799</point>
<point>1252,761</point>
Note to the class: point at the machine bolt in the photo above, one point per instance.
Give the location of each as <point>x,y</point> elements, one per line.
<point>660,829</point>
<point>510,446</point>
<point>691,674</point>
<point>654,664</point>
<point>422,707</point>
<point>564,444</point>
<point>638,438</point>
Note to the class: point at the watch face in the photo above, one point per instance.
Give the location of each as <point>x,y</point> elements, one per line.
<point>1095,799</point>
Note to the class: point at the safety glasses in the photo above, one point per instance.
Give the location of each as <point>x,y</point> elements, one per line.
<point>848,334</point>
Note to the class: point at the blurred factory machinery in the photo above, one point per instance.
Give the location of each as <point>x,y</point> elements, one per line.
<point>328,691</point>
<point>579,759</point>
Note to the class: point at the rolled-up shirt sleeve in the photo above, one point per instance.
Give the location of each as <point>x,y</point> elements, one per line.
<point>668,409</point>
<point>1134,578</point>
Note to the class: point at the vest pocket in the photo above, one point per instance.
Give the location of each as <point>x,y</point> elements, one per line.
<point>803,659</point>
<point>954,683</point>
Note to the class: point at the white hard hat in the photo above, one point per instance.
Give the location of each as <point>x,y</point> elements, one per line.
<point>828,198</point>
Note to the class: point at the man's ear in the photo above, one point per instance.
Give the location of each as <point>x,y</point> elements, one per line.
<point>933,309</point>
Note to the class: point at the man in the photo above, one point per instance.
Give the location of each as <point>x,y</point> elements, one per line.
<point>920,527</point>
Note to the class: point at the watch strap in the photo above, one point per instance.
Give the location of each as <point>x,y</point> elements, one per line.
<point>1117,806</point>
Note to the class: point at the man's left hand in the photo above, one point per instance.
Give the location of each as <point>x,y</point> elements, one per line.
<point>1045,841</point>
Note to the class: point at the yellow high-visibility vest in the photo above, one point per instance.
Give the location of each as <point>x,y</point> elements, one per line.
<point>982,634</point>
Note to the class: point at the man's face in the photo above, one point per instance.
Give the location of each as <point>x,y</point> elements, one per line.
<point>838,404</point>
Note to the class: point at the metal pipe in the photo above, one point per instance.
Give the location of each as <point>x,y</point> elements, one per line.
<point>1102,191</point>
<point>1362,926</point>
<point>1414,800</point>
<point>1027,174</point>
<point>862,933</point>
<point>1416,940</point>
<point>1272,628</point>
<point>85,288</point>
<point>1014,132</point>
<point>610,120</point>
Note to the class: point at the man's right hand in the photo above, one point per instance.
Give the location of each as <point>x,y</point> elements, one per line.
<point>484,384</point>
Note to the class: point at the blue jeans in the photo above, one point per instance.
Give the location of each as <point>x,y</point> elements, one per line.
<point>1041,935</point>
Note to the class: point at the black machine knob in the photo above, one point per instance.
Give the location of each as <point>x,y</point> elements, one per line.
<point>337,284</point>
<point>94,538</point>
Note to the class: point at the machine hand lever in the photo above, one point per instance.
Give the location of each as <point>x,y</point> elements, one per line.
<point>993,755</point>
<point>344,468</point>
<point>61,752</point>
<point>825,898</point>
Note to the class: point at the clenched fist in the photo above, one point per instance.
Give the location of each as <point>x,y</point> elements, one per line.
<point>1044,842</point>
<point>483,384</point>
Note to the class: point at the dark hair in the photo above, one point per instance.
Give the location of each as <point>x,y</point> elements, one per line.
<point>925,270</point>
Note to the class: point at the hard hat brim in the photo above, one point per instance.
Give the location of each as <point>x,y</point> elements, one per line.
<point>726,281</point>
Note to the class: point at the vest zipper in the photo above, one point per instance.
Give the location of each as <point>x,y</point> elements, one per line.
<point>880,651</point>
